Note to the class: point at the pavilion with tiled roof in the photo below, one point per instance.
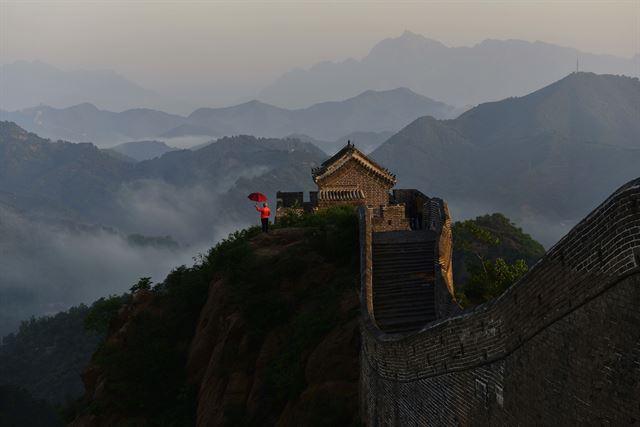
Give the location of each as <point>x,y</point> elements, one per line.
<point>351,177</point>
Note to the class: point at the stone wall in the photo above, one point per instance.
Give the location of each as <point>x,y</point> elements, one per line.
<point>292,203</point>
<point>414,202</point>
<point>389,218</point>
<point>445,304</point>
<point>365,220</point>
<point>287,199</point>
<point>560,347</point>
<point>389,224</point>
<point>353,175</point>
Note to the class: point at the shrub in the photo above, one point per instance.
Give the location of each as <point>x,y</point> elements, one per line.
<point>490,253</point>
<point>492,279</point>
<point>143,284</point>
<point>102,311</point>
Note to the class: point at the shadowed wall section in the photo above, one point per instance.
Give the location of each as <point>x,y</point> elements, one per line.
<point>560,347</point>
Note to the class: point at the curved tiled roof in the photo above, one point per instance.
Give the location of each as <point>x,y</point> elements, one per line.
<point>350,152</point>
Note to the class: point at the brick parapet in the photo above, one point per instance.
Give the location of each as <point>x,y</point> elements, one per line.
<point>365,217</point>
<point>389,218</point>
<point>602,251</point>
<point>445,303</point>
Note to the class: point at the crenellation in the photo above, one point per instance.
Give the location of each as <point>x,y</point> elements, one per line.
<point>559,347</point>
<point>543,353</point>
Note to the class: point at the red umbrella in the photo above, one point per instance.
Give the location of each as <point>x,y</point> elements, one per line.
<point>257,197</point>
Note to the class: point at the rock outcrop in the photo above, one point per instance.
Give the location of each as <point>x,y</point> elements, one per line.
<point>275,343</point>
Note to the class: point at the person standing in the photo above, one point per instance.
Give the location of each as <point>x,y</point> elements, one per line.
<point>265,212</point>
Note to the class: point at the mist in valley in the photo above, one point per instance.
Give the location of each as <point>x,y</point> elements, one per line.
<point>47,267</point>
<point>49,262</point>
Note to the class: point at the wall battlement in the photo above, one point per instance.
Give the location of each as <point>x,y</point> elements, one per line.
<point>560,347</point>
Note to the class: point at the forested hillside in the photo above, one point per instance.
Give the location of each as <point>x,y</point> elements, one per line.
<point>243,297</point>
<point>489,254</point>
<point>544,159</point>
<point>261,330</point>
<point>370,111</point>
<point>77,223</point>
<point>79,182</point>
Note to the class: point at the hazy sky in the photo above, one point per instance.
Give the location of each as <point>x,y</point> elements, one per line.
<point>234,48</point>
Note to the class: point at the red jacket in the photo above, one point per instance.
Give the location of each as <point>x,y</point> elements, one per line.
<point>264,212</point>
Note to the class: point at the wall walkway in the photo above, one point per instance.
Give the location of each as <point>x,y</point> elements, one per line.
<point>560,347</point>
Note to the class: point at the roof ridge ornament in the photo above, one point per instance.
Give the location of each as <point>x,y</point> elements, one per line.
<point>347,153</point>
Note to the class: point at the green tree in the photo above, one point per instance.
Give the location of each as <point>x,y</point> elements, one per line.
<point>479,237</point>
<point>101,312</point>
<point>490,254</point>
<point>492,279</point>
<point>143,284</point>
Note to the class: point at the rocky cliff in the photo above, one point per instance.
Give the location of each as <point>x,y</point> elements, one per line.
<point>270,339</point>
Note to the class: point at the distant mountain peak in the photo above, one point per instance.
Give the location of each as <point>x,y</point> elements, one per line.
<point>370,111</point>
<point>406,41</point>
<point>407,34</point>
<point>10,129</point>
<point>487,71</point>
<point>415,37</point>
<point>591,82</point>
<point>578,101</point>
<point>544,157</point>
<point>256,104</point>
<point>398,90</point>
<point>28,83</point>
<point>143,150</point>
<point>84,106</point>
<point>399,93</point>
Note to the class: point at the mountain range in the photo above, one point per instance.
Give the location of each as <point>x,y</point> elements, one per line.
<point>25,84</point>
<point>78,222</point>
<point>460,76</point>
<point>488,71</point>
<point>544,159</point>
<point>366,141</point>
<point>85,122</point>
<point>142,150</point>
<point>80,182</point>
<point>370,111</point>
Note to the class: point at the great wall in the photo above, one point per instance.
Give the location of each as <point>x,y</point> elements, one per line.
<point>559,347</point>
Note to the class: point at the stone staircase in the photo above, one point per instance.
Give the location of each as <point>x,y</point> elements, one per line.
<point>403,284</point>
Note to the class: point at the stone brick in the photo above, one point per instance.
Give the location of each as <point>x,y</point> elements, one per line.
<point>353,175</point>
<point>560,347</point>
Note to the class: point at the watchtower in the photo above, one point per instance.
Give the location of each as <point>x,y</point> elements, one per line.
<point>350,177</point>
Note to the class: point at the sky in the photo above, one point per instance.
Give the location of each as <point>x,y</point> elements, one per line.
<point>234,48</point>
